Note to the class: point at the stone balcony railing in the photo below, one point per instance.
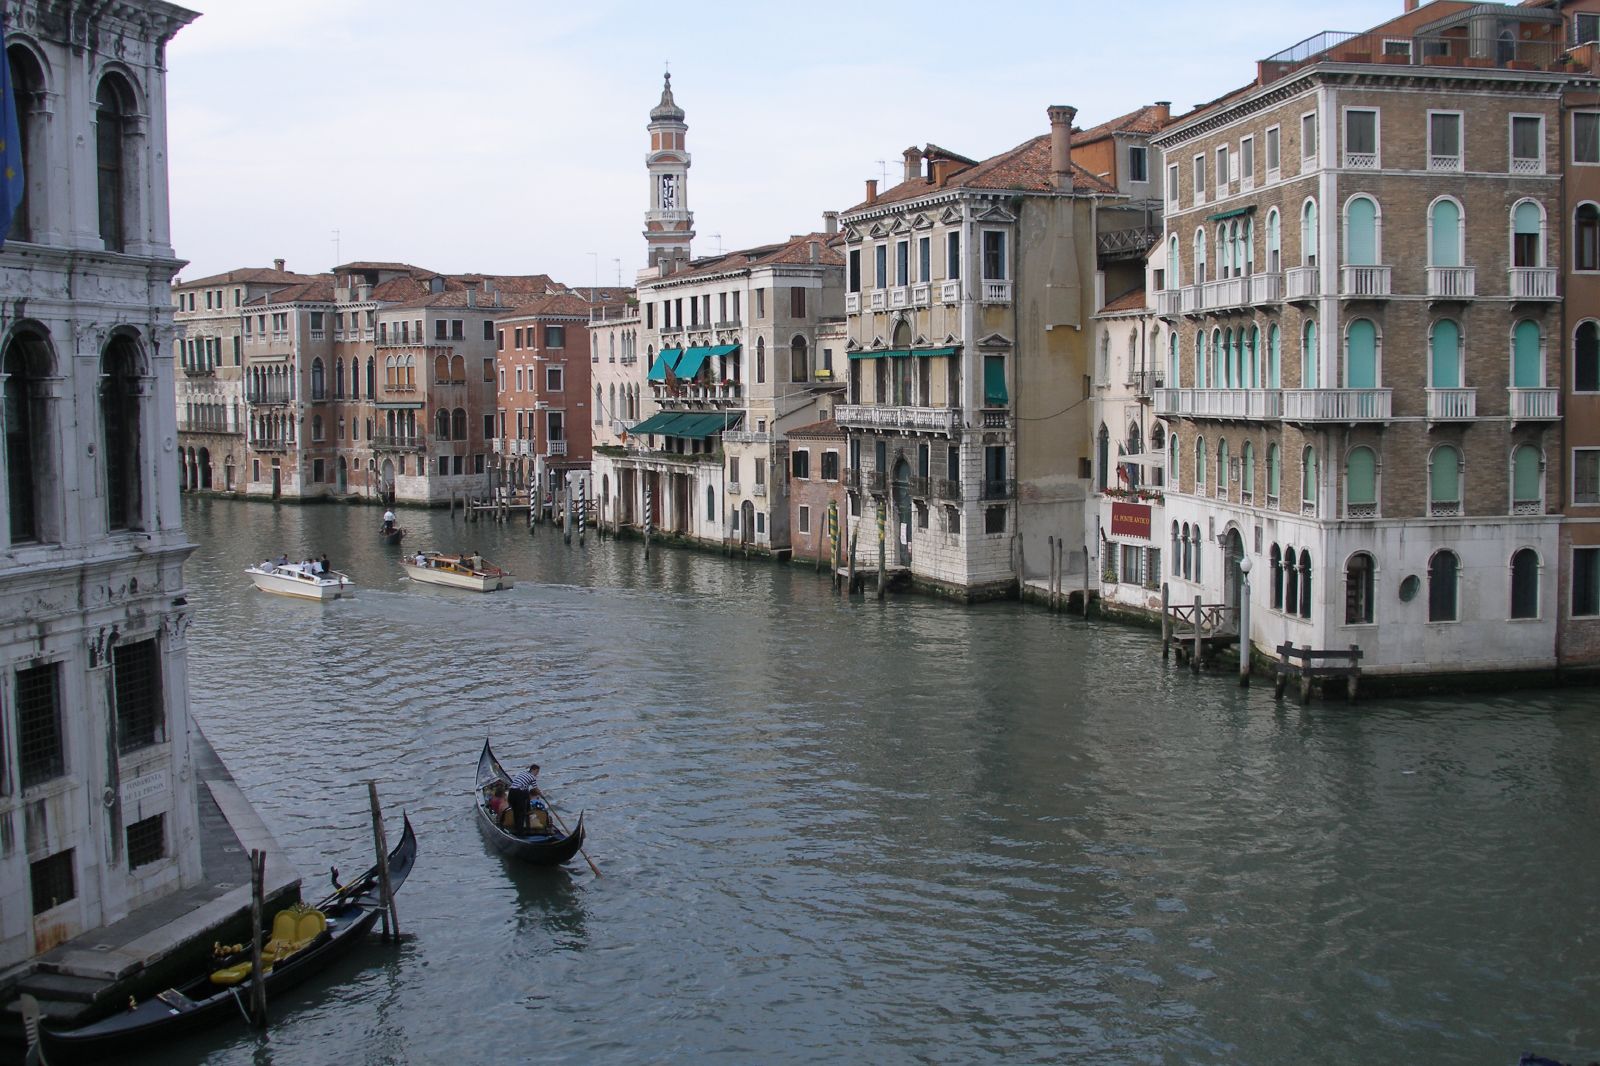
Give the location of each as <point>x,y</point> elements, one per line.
<point>1452,405</point>
<point>1301,283</point>
<point>1364,282</point>
<point>1535,405</point>
<point>944,420</point>
<point>1169,302</point>
<point>1533,283</point>
<point>405,443</point>
<point>1452,283</point>
<point>1266,289</point>
<point>556,447</point>
<point>1246,404</point>
<point>1336,405</point>
<point>996,291</point>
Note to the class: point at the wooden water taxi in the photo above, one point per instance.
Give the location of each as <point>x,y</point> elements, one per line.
<point>458,571</point>
<point>299,579</point>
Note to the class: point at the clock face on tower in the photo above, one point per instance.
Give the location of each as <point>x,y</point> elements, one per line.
<point>669,191</point>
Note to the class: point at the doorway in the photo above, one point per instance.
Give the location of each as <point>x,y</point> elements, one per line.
<point>901,512</point>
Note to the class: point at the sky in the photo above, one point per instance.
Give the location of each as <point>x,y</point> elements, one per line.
<point>508,136</point>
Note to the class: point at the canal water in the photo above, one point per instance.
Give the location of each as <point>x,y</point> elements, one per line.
<point>859,832</point>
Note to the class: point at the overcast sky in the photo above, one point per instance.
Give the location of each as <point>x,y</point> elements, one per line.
<point>508,136</point>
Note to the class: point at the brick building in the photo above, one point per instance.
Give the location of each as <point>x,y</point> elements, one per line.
<point>816,491</point>
<point>544,410</point>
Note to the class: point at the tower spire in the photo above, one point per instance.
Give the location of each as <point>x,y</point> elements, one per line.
<point>668,223</point>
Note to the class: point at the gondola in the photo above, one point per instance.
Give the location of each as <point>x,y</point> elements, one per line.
<point>349,912</point>
<point>540,848</point>
<point>392,535</point>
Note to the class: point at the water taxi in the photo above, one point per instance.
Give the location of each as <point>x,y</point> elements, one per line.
<point>299,579</point>
<point>459,571</point>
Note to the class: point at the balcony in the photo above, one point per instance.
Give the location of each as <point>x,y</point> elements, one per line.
<point>758,489</point>
<point>269,444</point>
<point>1364,282</point>
<point>733,488</point>
<point>1452,283</point>
<point>402,443</point>
<point>556,447</point>
<point>1143,383</point>
<point>1535,405</point>
<point>1189,301</point>
<point>998,489</point>
<point>997,418</point>
<point>1266,289</point>
<point>948,489</point>
<point>1452,405</point>
<point>1244,404</point>
<point>996,291</point>
<point>269,397</point>
<point>899,297</point>
<point>852,478</point>
<point>1336,405</point>
<point>200,371</point>
<point>852,303</point>
<point>944,420</point>
<point>1533,283</point>
<point>950,292</point>
<point>919,486</point>
<point>746,436</point>
<point>1361,160</point>
<point>1225,294</point>
<point>1169,302</point>
<point>1301,283</point>
<point>875,481</point>
<point>921,295</point>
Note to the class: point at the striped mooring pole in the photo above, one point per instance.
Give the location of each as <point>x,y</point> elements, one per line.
<point>833,542</point>
<point>583,507</point>
<point>647,501</point>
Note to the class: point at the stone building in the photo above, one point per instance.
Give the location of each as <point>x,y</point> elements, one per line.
<point>816,492</point>
<point>210,380</point>
<point>1362,376</point>
<point>969,297</point>
<point>544,408</point>
<point>98,812</point>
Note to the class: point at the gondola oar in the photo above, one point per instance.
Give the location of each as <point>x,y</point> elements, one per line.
<point>563,829</point>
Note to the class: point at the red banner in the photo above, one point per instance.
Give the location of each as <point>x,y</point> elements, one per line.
<point>1130,520</point>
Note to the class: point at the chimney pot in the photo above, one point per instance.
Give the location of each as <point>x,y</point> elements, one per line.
<point>872,190</point>
<point>1411,5</point>
<point>1164,110</point>
<point>277,264</point>
<point>830,222</point>
<point>913,158</point>
<point>1061,118</point>
<point>815,249</point>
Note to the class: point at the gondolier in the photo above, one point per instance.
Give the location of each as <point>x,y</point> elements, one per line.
<point>524,786</point>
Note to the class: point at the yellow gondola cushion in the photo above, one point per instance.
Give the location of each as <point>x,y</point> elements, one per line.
<point>292,930</point>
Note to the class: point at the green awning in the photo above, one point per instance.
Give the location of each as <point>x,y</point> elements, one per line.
<point>691,362</point>
<point>933,352</point>
<point>864,354</point>
<point>902,353</point>
<point>656,423</point>
<point>722,349</point>
<point>899,353</point>
<point>699,427</point>
<point>668,358</point>
<point>1235,213</point>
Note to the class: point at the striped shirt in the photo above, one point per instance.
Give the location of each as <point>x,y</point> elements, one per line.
<point>525,781</point>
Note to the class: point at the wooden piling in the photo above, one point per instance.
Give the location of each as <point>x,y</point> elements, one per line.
<point>258,987</point>
<point>1166,621</point>
<point>1086,578</point>
<point>391,916</point>
<point>1194,660</point>
<point>1244,634</point>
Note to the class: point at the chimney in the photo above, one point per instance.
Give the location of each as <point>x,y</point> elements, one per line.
<point>1061,118</point>
<point>1411,5</point>
<point>941,172</point>
<point>472,296</point>
<point>1164,111</point>
<point>830,222</point>
<point>913,158</point>
<point>488,285</point>
<point>872,190</point>
<point>277,264</point>
<point>815,248</point>
<point>364,291</point>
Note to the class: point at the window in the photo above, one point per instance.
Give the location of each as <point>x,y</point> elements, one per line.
<point>925,259</point>
<point>1309,375</point>
<point>120,423</point>
<point>1277,577</point>
<point>1444,140</point>
<point>797,301</point>
<point>26,437</point>
<point>800,464</point>
<point>1527,356</point>
<point>136,670</point>
<point>1199,179</point>
<point>1585,28</point>
<point>952,255</point>
<point>1361,138</point>
<point>1308,233</point>
<point>1361,483</point>
<point>1308,476</point>
<point>1308,137</point>
<point>1305,583</point>
<point>53,881</point>
<point>147,841</point>
<point>799,358</point>
<point>733,471</point>
<point>1585,582</point>
<point>1272,149</point>
<point>830,466</point>
<point>114,105</point>
<point>1443,573</point>
<point>1361,231</point>
<point>1586,137</point>
<point>1358,590</point>
<point>1527,235</point>
<point>1586,238</point>
<point>1586,475</point>
<point>553,379</point>
<point>994,255</point>
<point>41,751</point>
<point>1525,584</point>
<point>855,270</point>
<point>1247,161</point>
<point>1444,481</point>
<point>805,519</point>
<point>319,386</point>
<point>1444,355</point>
<point>1444,233</point>
<point>316,429</point>
<point>1199,465</point>
<point>1586,357</point>
<point>761,360</point>
<point>994,381</point>
<point>1527,480</point>
<point>881,265</point>
<point>994,519</point>
<point>1527,144</point>
<point>1172,187</point>
<point>1138,163</point>
<point>439,329</point>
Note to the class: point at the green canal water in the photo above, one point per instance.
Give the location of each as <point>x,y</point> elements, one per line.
<point>907,832</point>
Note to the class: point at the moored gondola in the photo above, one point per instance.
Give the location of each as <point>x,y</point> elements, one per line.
<point>544,847</point>
<point>391,534</point>
<point>302,942</point>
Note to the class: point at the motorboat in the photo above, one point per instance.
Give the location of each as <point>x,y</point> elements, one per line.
<point>458,571</point>
<point>302,580</point>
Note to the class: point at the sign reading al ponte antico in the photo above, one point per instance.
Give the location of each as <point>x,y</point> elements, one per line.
<point>1130,520</point>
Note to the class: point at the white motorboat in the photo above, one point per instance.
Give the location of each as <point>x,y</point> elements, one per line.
<point>298,579</point>
<point>458,571</point>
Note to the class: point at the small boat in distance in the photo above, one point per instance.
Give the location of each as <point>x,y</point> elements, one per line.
<point>321,935</point>
<point>541,847</point>
<point>391,534</point>
<point>459,571</point>
<point>300,579</point>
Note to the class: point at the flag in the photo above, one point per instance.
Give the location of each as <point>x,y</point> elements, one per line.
<point>11,186</point>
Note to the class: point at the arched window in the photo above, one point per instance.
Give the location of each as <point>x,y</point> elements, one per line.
<point>1586,238</point>
<point>1188,552</point>
<point>1274,243</point>
<point>1308,234</point>
<point>1177,557</point>
<point>1224,252</point>
<point>1173,379</point>
<point>441,368</point>
<point>441,424</point>
<point>1277,578</point>
<point>1226,378</point>
<point>1158,444</point>
<point>799,362</point>
<point>761,360</point>
<point>1199,256</point>
<point>1219,355</point>
<point>1527,480</point>
<point>1308,356</point>
<point>113,110</point>
<point>120,423</point>
<point>338,380</point>
<point>1291,582</point>
<point>1199,465</point>
<point>458,424</point>
<point>1527,356</point>
<point>355,379</point>
<point>1361,231</point>
<point>1361,483</point>
<point>28,454</point>
<point>1444,481</point>
<point>599,404</point>
<point>1443,572</point>
<point>711,504</point>
<point>1274,359</point>
<point>458,369</point>
<point>1527,235</point>
<point>1173,467</point>
<point>1586,358</point>
<point>1222,467</point>
<point>1361,355</point>
<point>1358,573</point>
<point>1444,233</point>
<point>27,83</point>
<point>1274,474</point>
<point>318,386</point>
<point>1525,584</point>
<point>1173,279</point>
<point>1200,359</point>
<point>316,427</point>
<point>1103,457</point>
<point>1305,583</point>
<point>1247,483</point>
<point>1308,476</point>
<point>408,370</point>
<point>372,369</point>
<point>1253,359</point>
<point>1444,355</point>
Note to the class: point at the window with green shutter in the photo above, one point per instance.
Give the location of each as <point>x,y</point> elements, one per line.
<point>994,381</point>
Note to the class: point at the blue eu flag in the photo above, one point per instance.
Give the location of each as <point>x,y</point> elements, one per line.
<point>11,186</point>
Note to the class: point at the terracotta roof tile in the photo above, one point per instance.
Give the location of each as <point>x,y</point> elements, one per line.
<point>826,428</point>
<point>248,275</point>
<point>794,250</point>
<point>1144,120</point>
<point>1025,168</point>
<point>1133,300</point>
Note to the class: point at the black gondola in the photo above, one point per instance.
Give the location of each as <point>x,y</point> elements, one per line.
<point>540,848</point>
<point>350,913</point>
<point>391,535</point>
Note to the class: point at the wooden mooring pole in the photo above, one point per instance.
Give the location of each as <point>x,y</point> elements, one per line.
<point>1166,621</point>
<point>258,987</point>
<point>1194,660</point>
<point>391,916</point>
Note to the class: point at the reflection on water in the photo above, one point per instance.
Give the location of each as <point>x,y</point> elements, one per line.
<point>907,831</point>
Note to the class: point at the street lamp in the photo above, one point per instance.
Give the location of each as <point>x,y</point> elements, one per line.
<point>1244,619</point>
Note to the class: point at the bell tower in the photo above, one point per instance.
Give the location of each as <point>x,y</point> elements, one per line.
<point>668,224</point>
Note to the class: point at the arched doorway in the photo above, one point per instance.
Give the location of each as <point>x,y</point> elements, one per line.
<point>386,480</point>
<point>1232,576</point>
<point>901,512</point>
<point>747,522</point>
<point>205,468</point>
<point>344,476</point>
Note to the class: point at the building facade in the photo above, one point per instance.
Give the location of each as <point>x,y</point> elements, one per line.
<point>545,421</point>
<point>97,804</point>
<point>1362,382</point>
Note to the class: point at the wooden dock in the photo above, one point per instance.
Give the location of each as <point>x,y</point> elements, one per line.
<point>1312,667</point>
<point>1196,634</point>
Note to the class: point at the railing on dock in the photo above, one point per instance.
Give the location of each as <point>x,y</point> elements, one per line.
<point>1311,666</point>
<point>1197,632</point>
